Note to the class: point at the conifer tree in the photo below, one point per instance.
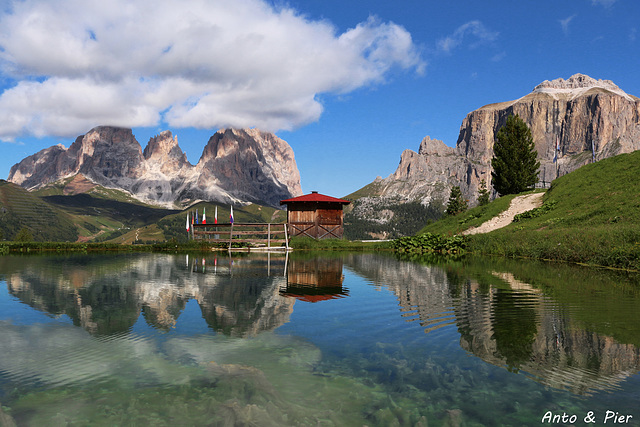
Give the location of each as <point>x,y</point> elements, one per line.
<point>483,194</point>
<point>456,203</point>
<point>515,161</point>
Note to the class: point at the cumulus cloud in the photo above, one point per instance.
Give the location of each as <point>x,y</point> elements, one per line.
<point>74,64</point>
<point>480,33</point>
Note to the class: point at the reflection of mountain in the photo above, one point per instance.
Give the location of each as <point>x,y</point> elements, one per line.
<point>422,291</point>
<point>106,294</point>
<point>245,300</point>
<point>522,329</point>
<point>315,279</point>
<point>510,323</point>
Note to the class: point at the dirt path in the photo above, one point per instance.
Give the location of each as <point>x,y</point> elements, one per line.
<point>518,205</point>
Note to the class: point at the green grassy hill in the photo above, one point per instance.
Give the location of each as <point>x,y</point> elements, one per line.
<point>21,210</point>
<point>103,215</point>
<point>591,215</point>
<point>174,226</point>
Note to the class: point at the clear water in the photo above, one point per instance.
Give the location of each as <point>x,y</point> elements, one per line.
<point>342,340</point>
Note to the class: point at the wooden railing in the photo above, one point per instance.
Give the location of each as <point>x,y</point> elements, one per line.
<point>316,230</point>
<point>259,235</point>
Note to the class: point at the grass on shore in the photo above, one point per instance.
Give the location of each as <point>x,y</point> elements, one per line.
<point>297,243</point>
<point>593,217</point>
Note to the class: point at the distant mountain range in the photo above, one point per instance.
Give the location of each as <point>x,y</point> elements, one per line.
<point>574,121</point>
<point>237,166</point>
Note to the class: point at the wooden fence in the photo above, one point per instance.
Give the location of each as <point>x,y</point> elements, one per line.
<point>258,235</point>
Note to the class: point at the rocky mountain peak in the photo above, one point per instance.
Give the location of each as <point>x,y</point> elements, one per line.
<point>434,147</point>
<point>577,85</point>
<point>250,158</point>
<point>163,151</point>
<point>237,166</point>
<point>588,119</point>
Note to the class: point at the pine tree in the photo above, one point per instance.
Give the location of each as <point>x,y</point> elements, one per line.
<point>483,194</point>
<point>515,161</point>
<point>456,203</point>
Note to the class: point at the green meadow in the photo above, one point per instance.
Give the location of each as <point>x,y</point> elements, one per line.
<point>589,216</point>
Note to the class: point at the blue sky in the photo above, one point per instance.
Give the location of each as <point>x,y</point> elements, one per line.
<point>348,84</point>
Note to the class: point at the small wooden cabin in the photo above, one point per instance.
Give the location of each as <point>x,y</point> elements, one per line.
<point>315,215</point>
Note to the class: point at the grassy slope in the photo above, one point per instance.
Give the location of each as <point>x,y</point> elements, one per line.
<point>450,225</point>
<point>104,214</point>
<point>596,219</point>
<point>21,209</point>
<point>172,226</point>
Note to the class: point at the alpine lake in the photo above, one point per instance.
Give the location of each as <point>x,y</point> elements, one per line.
<point>315,339</point>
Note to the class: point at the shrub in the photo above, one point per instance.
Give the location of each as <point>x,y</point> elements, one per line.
<point>430,243</point>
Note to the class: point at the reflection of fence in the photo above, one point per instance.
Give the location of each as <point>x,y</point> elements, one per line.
<point>258,235</point>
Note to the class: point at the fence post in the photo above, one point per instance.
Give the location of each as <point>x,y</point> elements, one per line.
<point>269,236</point>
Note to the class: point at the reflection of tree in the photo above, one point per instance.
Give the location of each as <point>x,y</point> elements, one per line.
<point>508,322</point>
<point>514,329</point>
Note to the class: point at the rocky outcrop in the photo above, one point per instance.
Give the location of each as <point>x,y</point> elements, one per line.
<point>251,162</point>
<point>237,166</point>
<point>580,114</point>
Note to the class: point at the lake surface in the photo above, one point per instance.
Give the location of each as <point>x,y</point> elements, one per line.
<point>304,339</point>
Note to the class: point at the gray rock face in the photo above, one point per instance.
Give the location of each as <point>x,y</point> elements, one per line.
<point>237,166</point>
<point>578,114</point>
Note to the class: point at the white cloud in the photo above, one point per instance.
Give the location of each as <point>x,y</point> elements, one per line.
<point>499,56</point>
<point>477,29</point>
<point>604,3</point>
<point>80,63</point>
<point>564,23</point>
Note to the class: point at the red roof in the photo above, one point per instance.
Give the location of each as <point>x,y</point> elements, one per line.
<point>315,197</point>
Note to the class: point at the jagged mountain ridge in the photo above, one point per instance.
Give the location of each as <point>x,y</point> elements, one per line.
<point>237,166</point>
<point>575,112</point>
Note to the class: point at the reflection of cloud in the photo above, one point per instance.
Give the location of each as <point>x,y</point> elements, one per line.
<point>61,354</point>
<point>189,63</point>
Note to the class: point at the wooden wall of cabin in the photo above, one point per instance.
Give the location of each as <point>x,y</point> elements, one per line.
<point>318,220</point>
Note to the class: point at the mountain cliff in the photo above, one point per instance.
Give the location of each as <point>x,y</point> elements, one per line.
<point>236,166</point>
<point>580,114</point>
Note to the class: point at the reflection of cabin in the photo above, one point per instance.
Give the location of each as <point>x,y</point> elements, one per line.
<point>315,279</point>
<point>315,215</point>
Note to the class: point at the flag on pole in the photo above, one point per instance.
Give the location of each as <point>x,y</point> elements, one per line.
<point>196,216</point>
<point>187,221</point>
<point>204,215</point>
<point>231,215</point>
<point>215,217</point>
